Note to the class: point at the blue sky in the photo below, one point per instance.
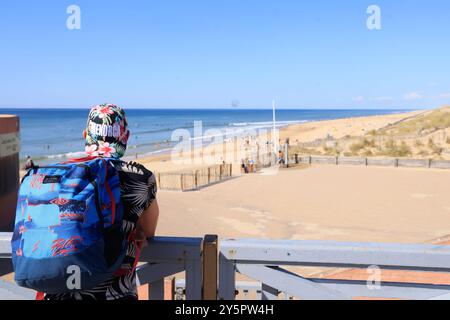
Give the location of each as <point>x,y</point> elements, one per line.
<point>305,54</point>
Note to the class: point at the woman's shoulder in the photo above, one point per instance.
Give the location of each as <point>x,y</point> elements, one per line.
<point>132,167</point>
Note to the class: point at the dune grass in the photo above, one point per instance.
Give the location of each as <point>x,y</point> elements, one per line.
<point>428,122</point>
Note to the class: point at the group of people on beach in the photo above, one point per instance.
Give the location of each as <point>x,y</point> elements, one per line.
<point>248,166</point>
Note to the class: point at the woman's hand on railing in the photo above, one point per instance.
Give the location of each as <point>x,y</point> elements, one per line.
<point>141,239</point>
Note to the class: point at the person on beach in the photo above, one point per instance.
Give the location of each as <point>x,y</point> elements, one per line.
<point>243,166</point>
<point>28,164</point>
<point>280,157</point>
<point>138,196</point>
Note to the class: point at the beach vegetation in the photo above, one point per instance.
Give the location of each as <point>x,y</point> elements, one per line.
<point>422,124</point>
<point>394,149</point>
<point>435,149</point>
<point>331,151</point>
<point>423,153</point>
<point>368,153</point>
<point>362,145</point>
<point>356,147</point>
<point>348,154</point>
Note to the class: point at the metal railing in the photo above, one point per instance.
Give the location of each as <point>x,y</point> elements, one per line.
<point>163,257</point>
<point>210,269</point>
<point>262,260</point>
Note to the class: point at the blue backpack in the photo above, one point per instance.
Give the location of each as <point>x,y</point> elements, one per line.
<point>68,223</point>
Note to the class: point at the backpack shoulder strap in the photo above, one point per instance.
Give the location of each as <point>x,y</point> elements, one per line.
<point>84,159</point>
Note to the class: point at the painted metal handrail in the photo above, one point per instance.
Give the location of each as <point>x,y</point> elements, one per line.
<point>261,260</point>
<point>164,256</point>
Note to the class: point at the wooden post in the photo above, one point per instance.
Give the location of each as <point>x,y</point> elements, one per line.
<point>296,158</point>
<point>9,170</point>
<point>286,153</point>
<point>182,181</point>
<point>209,175</point>
<point>169,289</point>
<point>196,179</point>
<point>210,245</point>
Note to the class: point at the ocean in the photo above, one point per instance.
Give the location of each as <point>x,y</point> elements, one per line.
<point>50,135</point>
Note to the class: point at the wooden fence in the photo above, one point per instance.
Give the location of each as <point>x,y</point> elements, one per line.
<point>363,161</point>
<point>195,178</point>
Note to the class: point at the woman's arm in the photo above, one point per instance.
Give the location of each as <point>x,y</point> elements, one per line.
<point>147,222</point>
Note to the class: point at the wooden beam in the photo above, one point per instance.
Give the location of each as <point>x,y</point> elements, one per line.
<point>210,250</point>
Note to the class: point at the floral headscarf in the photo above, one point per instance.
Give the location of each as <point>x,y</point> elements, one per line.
<point>106,131</point>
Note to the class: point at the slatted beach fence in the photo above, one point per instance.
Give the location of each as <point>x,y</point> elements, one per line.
<point>194,178</point>
<point>369,161</point>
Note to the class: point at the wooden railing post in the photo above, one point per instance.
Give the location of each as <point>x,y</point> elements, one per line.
<point>209,175</point>
<point>210,251</point>
<point>196,179</point>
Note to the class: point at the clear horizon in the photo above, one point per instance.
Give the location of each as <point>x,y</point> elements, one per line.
<point>223,108</point>
<point>173,55</point>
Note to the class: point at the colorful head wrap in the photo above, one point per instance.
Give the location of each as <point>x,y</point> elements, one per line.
<point>106,131</point>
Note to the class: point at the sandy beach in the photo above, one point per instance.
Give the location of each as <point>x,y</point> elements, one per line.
<point>319,202</point>
<point>316,202</point>
<point>417,134</point>
<point>313,202</point>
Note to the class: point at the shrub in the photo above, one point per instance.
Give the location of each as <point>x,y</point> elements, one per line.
<point>435,149</point>
<point>404,150</point>
<point>394,150</point>
<point>365,143</point>
<point>418,143</point>
<point>368,153</point>
<point>423,153</point>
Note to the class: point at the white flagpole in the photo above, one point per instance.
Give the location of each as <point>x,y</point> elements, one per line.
<point>274,137</point>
